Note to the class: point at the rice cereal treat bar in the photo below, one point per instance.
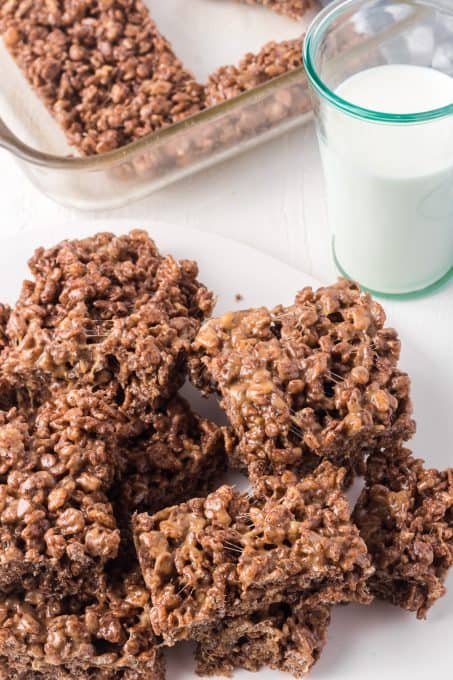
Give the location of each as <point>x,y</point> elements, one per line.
<point>178,457</point>
<point>8,395</point>
<point>230,552</point>
<point>274,59</point>
<point>292,8</point>
<point>57,526</point>
<point>405,515</point>
<point>317,379</point>
<point>106,312</point>
<point>101,67</point>
<point>282,637</point>
<point>109,638</point>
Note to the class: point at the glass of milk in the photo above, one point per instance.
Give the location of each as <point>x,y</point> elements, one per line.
<point>381,74</point>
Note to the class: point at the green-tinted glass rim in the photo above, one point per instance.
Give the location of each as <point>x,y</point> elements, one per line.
<point>314,35</point>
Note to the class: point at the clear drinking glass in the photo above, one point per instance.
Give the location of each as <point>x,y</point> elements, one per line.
<point>389,176</point>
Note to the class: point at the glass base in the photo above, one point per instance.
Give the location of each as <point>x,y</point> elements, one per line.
<point>428,290</point>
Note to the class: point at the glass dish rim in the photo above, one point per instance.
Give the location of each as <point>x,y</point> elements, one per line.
<point>314,34</point>
<point>118,156</point>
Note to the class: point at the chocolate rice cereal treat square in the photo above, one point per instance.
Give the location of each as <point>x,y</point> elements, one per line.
<point>107,638</point>
<point>231,552</point>
<point>57,527</point>
<point>405,516</point>
<point>274,59</point>
<point>179,456</point>
<point>316,379</point>
<point>282,637</point>
<point>101,67</point>
<point>295,9</point>
<point>106,312</point>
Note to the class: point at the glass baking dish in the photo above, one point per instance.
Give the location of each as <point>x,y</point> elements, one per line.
<point>119,177</point>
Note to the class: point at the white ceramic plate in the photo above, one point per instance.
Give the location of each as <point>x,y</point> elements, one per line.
<point>379,642</point>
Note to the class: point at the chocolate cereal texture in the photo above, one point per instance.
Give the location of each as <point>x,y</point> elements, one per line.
<point>5,312</point>
<point>101,67</point>
<point>118,539</point>
<point>178,456</point>
<point>282,637</point>
<point>231,552</point>
<point>109,77</point>
<point>107,637</point>
<point>292,8</point>
<point>405,516</point>
<point>314,380</point>
<point>106,312</point>
<point>57,526</point>
<point>75,464</point>
<point>274,59</point>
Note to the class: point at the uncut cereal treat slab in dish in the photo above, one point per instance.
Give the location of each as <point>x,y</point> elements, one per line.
<point>405,515</point>
<point>282,637</point>
<point>179,456</point>
<point>106,638</point>
<point>57,526</point>
<point>106,311</point>
<point>20,671</point>
<point>316,379</point>
<point>101,67</point>
<point>231,552</point>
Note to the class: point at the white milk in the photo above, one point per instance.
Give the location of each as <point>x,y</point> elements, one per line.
<point>390,187</point>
